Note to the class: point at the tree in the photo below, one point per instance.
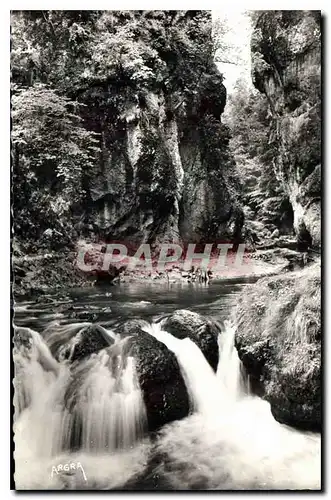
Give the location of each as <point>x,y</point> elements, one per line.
<point>51,153</point>
<point>250,121</point>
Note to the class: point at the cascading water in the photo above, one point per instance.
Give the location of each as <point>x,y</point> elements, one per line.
<point>92,411</point>
<point>92,406</point>
<point>233,379</point>
<point>106,400</point>
<point>232,439</point>
<point>208,393</point>
<point>197,373</point>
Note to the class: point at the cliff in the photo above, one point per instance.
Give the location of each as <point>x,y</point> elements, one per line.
<point>117,120</point>
<point>167,176</point>
<point>286,64</point>
<point>165,168</point>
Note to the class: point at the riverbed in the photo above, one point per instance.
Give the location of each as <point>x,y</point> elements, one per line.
<point>230,442</point>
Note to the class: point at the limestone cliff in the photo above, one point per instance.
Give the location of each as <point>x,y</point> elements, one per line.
<point>141,153</point>
<point>165,172</point>
<point>286,64</point>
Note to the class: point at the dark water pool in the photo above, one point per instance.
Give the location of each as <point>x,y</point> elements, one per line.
<point>143,300</point>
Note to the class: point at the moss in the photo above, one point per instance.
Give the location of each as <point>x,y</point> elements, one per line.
<point>40,274</point>
<point>279,341</point>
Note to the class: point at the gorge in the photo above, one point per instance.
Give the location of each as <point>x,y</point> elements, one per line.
<point>123,132</point>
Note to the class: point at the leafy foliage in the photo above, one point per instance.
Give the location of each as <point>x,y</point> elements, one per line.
<point>250,122</point>
<point>48,133</point>
<point>51,151</point>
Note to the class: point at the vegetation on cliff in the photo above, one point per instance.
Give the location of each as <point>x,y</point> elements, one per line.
<point>279,342</point>
<point>286,68</point>
<point>266,204</point>
<point>276,127</point>
<point>93,95</point>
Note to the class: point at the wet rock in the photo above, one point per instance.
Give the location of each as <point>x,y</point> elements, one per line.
<point>22,338</point>
<point>77,341</point>
<point>202,332</point>
<point>131,327</point>
<point>89,340</point>
<point>279,342</point>
<point>160,379</point>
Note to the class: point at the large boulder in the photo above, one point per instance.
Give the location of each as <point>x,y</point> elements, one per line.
<point>89,340</point>
<point>278,339</point>
<point>202,332</point>
<point>158,374</point>
<point>160,378</point>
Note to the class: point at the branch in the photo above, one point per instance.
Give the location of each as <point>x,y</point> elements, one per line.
<point>226,62</point>
<point>48,21</point>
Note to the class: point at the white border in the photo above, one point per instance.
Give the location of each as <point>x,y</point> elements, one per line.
<point>170,5</point>
<point>5,179</point>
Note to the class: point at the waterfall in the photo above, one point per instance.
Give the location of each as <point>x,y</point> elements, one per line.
<point>39,388</point>
<point>95,404</point>
<point>35,368</point>
<point>92,411</point>
<point>107,402</point>
<point>234,380</point>
<point>231,439</point>
<point>208,392</point>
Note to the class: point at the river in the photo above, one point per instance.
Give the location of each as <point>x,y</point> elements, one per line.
<point>230,441</point>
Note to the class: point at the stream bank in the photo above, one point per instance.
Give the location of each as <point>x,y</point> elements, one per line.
<point>36,275</point>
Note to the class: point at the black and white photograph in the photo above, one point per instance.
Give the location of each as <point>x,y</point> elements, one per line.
<point>166,204</point>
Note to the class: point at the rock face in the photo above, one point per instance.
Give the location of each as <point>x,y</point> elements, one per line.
<point>136,190</point>
<point>279,342</point>
<point>204,333</point>
<point>166,184</point>
<point>165,168</point>
<point>286,65</point>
